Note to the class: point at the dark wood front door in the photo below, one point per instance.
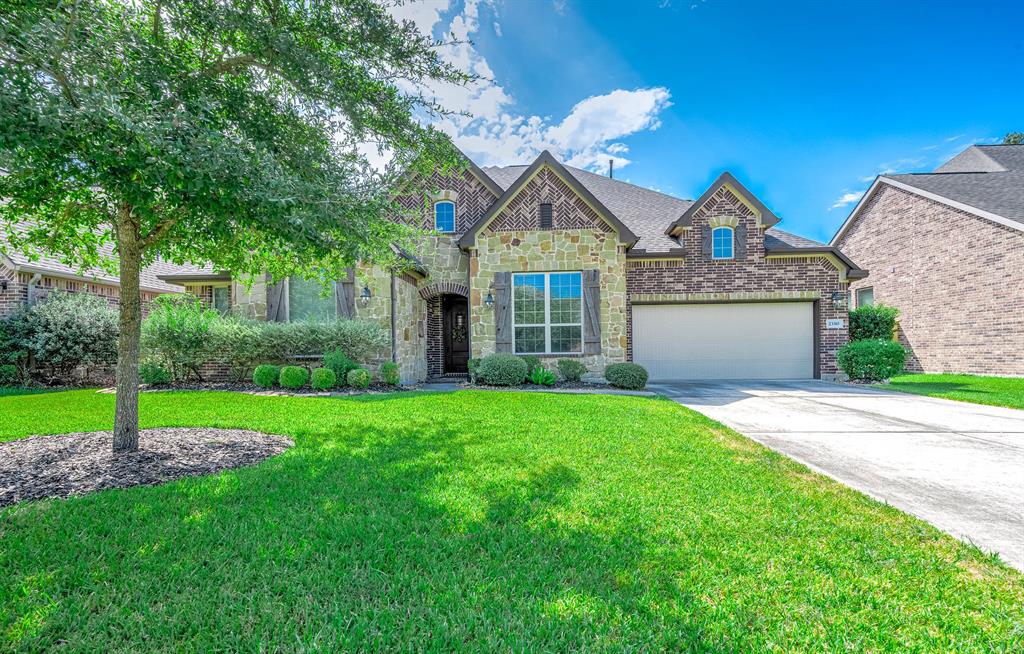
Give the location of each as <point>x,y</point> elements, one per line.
<point>455,322</point>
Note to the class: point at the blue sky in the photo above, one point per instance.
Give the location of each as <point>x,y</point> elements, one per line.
<point>805,102</point>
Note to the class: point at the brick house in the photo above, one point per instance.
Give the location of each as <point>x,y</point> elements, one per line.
<point>555,261</point>
<point>947,249</point>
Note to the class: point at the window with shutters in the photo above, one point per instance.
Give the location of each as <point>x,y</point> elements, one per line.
<point>546,216</point>
<point>547,313</point>
<point>721,243</point>
<point>444,216</point>
<point>310,301</point>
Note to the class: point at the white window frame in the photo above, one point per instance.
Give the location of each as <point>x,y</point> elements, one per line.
<point>454,217</point>
<point>547,325</point>
<point>732,242</point>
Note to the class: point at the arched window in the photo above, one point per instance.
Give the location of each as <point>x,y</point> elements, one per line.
<point>721,243</point>
<point>444,216</point>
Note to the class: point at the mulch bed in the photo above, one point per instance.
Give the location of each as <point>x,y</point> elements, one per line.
<point>560,384</point>
<point>249,387</point>
<point>75,464</point>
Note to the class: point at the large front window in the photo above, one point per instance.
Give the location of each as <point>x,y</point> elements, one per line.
<point>547,313</point>
<point>307,301</point>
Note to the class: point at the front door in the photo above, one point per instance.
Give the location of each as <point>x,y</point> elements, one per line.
<point>455,322</point>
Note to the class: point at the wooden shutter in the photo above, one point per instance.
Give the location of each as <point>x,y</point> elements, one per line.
<point>546,216</point>
<point>275,301</point>
<point>345,295</point>
<point>705,241</point>
<point>740,241</point>
<point>503,312</point>
<point>591,312</point>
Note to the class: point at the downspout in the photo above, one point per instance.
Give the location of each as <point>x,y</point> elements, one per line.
<point>394,336</point>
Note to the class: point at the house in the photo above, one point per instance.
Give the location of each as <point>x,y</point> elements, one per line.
<point>552,260</point>
<point>947,249</point>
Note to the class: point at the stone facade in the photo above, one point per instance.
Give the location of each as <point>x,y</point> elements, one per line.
<point>956,279</point>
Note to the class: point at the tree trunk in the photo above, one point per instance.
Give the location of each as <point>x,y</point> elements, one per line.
<point>126,413</point>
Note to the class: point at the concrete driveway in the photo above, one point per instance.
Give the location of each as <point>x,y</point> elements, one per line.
<point>959,466</point>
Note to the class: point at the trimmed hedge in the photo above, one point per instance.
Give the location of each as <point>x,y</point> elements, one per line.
<point>69,330</point>
<point>359,378</point>
<point>472,365</point>
<point>154,374</point>
<point>502,369</point>
<point>390,375</point>
<point>323,379</point>
<point>630,376</point>
<point>571,369</point>
<point>873,323</point>
<point>266,375</point>
<point>873,360</point>
<point>293,377</point>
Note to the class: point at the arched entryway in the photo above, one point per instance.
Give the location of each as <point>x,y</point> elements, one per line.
<point>448,337</point>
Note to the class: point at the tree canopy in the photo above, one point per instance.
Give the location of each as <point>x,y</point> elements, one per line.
<point>1014,138</point>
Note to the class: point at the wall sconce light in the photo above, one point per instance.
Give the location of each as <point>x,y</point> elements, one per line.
<point>839,300</point>
<point>489,300</point>
<point>364,297</point>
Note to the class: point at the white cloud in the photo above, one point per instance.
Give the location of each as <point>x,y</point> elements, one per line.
<point>497,133</point>
<point>497,28</point>
<point>846,199</point>
<point>559,6</point>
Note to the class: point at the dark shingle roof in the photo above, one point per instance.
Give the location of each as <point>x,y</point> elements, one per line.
<point>775,239</point>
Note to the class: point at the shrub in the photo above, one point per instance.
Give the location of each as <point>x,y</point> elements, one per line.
<point>532,363</point>
<point>8,374</point>
<point>323,379</point>
<point>340,364</point>
<point>390,375</point>
<point>472,365</point>
<point>872,360</point>
<point>177,331</point>
<point>266,375</point>
<point>502,369</point>
<point>359,340</point>
<point>630,376</point>
<point>236,342</point>
<point>154,374</point>
<point>13,346</point>
<point>873,323</point>
<point>571,369</point>
<point>542,376</point>
<point>359,378</point>
<point>69,330</point>
<point>293,377</point>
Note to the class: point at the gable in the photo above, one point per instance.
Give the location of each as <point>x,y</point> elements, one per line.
<point>725,194</point>
<point>724,204</point>
<point>472,198</point>
<point>569,210</point>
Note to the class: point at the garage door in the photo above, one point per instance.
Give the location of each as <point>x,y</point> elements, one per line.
<point>725,341</point>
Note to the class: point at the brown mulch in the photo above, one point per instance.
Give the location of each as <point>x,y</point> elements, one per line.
<point>75,464</point>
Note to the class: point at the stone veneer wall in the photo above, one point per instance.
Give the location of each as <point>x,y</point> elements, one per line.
<point>547,251</point>
<point>411,330</point>
<point>956,278</point>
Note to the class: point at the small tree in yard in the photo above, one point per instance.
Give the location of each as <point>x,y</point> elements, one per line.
<point>209,132</point>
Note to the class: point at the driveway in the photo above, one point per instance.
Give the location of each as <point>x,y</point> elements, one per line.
<point>959,466</point>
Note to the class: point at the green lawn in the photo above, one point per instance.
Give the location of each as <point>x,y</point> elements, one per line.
<point>482,521</point>
<point>1000,391</point>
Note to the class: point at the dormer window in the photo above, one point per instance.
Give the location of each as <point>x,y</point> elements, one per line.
<point>721,243</point>
<point>444,216</point>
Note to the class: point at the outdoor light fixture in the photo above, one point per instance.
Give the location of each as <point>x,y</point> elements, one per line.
<point>364,297</point>
<point>489,300</point>
<point>839,299</point>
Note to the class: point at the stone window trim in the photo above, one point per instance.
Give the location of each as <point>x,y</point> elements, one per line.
<point>547,324</point>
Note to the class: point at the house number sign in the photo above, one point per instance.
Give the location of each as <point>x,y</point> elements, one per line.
<point>834,323</point>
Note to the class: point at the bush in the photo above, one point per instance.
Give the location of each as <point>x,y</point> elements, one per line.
<point>266,375</point>
<point>8,374</point>
<point>236,342</point>
<point>630,376</point>
<point>359,340</point>
<point>323,379</point>
<point>872,360</point>
<point>502,369</point>
<point>293,377</point>
<point>390,375</point>
<point>177,331</point>
<point>571,369</point>
<point>873,323</point>
<point>69,330</point>
<point>542,376</point>
<point>154,374</point>
<point>14,334</point>
<point>532,363</point>
<point>359,378</point>
<point>340,364</point>
<point>472,365</point>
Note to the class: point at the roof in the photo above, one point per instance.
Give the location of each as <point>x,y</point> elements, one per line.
<point>765,217</point>
<point>150,277</point>
<point>777,241</point>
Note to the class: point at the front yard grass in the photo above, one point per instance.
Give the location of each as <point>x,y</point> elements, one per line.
<point>482,521</point>
<point>998,391</point>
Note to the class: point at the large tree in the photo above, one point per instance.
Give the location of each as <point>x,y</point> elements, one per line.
<point>210,131</point>
<point>1014,138</point>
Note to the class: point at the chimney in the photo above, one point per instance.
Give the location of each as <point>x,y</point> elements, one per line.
<point>611,169</point>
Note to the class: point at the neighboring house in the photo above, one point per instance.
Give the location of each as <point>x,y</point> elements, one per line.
<point>555,261</point>
<point>947,249</point>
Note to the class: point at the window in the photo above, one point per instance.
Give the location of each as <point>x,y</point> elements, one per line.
<point>444,216</point>
<point>222,299</point>
<point>308,303</point>
<point>546,216</point>
<point>865,297</point>
<point>547,313</point>
<point>721,243</point>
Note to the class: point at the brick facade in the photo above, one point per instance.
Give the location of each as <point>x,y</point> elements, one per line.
<point>956,279</point>
<point>568,210</point>
<point>16,294</point>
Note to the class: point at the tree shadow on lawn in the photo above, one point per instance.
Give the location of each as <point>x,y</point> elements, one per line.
<point>362,538</point>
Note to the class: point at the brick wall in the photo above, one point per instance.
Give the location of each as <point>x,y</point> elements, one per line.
<point>756,278</point>
<point>17,292</point>
<point>956,278</point>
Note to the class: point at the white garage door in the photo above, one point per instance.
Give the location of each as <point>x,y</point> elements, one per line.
<point>725,341</point>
